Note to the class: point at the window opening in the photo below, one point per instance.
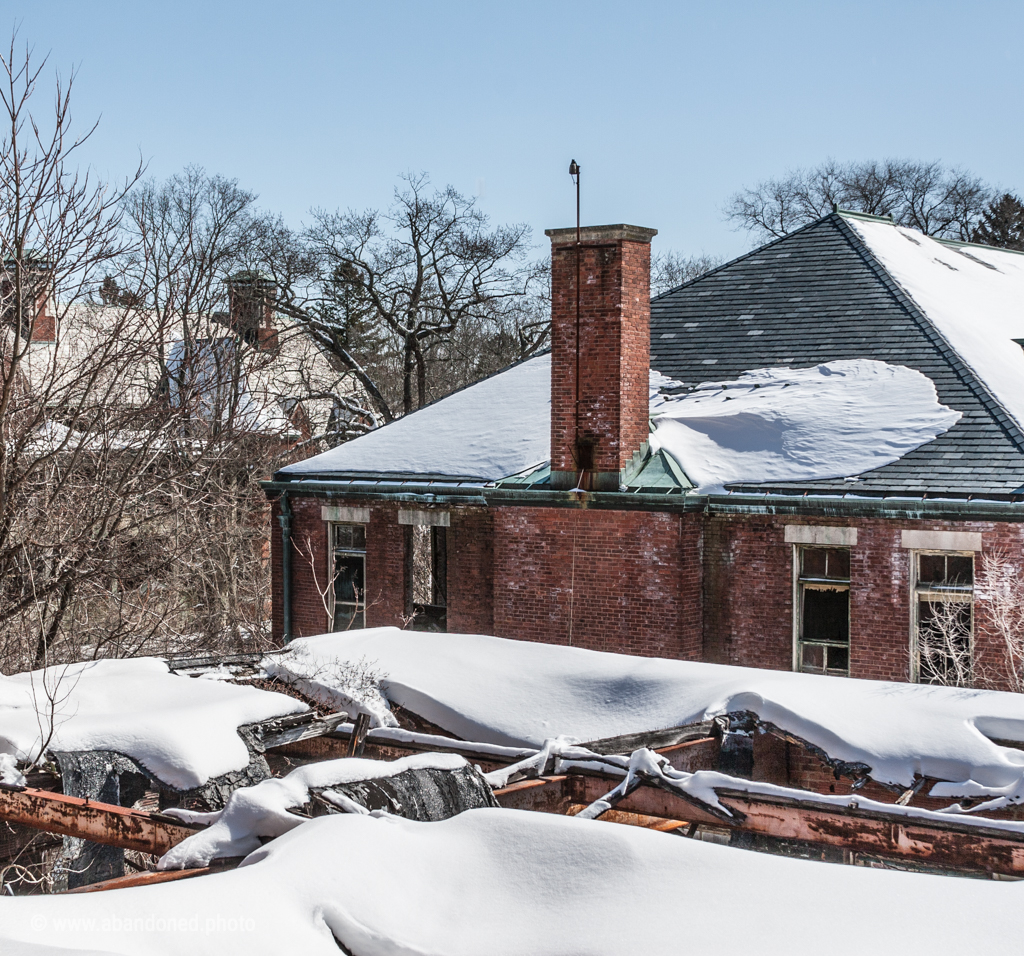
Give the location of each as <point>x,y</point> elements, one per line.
<point>823,609</point>
<point>429,578</point>
<point>943,618</point>
<point>349,556</point>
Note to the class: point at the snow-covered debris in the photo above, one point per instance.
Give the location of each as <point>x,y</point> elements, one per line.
<point>974,295</point>
<point>495,428</point>
<point>507,882</point>
<point>835,420</point>
<point>183,731</point>
<point>9,772</point>
<point>522,693</point>
<point>262,810</point>
<point>352,686</point>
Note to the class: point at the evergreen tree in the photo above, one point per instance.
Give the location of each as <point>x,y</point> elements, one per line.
<point>1002,224</point>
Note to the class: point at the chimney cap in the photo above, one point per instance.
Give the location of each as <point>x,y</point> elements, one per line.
<point>601,234</point>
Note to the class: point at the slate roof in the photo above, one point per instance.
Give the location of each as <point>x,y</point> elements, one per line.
<point>819,295</point>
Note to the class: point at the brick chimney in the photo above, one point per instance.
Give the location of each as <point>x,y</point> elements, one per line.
<point>36,280</point>
<point>592,443</point>
<point>251,308</point>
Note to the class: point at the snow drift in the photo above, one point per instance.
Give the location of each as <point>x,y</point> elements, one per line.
<point>832,421</point>
<point>507,882</point>
<point>182,730</point>
<point>521,693</point>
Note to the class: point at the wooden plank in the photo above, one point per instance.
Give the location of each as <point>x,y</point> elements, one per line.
<point>142,879</point>
<point>652,739</point>
<point>90,820</point>
<point>279,736</point>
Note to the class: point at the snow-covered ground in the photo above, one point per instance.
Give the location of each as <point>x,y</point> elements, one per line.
<point>974,295</point>
<point>513,882</point>
<point>522,693</point>
<point>182,730</point>
<point>832,421</point>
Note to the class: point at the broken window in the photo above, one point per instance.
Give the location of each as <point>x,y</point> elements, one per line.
<point>823,611</point>
<point>348,552</point>
<point>429,577</point>
<point>943,628</point>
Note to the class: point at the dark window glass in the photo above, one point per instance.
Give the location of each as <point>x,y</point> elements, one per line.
<point>826,563</point>
<point>959,569</point>
<point>838,563</point>
<point>826,615</point>
<point>349,591</point>
<point>945,569</point>
<point>350,537</point>
<point>813,658</point>
<point>814,562</point>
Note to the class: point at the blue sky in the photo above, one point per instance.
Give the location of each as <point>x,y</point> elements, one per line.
<point>668,107</point>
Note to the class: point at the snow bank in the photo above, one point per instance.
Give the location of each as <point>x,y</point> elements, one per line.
<point>522,693</point>
<point>973,295</point>
<point>506,882</point>
<point>184,731</point>
<point>832,421</point>
<point>262,810</point>
<point>491,430</point>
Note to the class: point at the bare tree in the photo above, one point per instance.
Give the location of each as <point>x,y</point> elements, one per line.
<point>935,199</point>
<point>398,288</point>
<point>1002,592</point>
<point>669,270</point>
<point>944,643</point>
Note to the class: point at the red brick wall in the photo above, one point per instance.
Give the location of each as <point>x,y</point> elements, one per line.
<point>615,316</point>
<point>636,578</point>
<point>748,574</point>
<point>469,567</point>
<point>691,586</point>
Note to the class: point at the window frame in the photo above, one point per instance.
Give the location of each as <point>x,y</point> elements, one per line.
<point>359,607</point>
<point>949,592</point>
<point>799,583</point>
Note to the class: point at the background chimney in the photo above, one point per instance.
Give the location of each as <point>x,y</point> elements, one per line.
<point>251,298</point>
<point>591,446</point>
<point>36,283</point>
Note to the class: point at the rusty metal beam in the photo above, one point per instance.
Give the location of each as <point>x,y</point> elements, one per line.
<point>952,845</point>
<point>99,822</point>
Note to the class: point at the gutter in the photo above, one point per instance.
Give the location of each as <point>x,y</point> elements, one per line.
<point>285,520</point>
<point>892,507</point>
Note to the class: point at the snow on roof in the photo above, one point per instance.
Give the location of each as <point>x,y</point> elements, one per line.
<point>182,730</point>
<point>495,428</point>
<point>519,692</point>
<point>835,420</point>
<point>831,421</point>
<point>974,295</point>
<point>508,882</point>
